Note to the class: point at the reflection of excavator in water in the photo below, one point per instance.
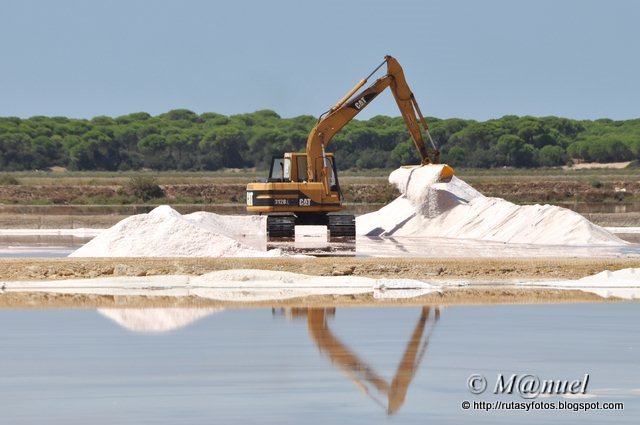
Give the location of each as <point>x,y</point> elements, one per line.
<point>357,370</point>
<point>303,187</point>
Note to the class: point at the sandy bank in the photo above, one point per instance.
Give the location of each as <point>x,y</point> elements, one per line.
<point>459,296</point>
<point>481,281</point>
<point>477,269</point>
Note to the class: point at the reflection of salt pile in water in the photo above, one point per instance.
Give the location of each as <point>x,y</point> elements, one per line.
<point>156,319</point>
<point>457,210</point>
<point>164,232</point>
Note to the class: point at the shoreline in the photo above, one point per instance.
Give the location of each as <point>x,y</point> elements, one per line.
<point>483,281</point>
<point>476,269</point>
<point>470,295</point>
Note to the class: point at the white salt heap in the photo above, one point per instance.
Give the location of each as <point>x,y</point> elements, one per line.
<point>623,283</point>
<point>164,232</point>
<point>456,210</point>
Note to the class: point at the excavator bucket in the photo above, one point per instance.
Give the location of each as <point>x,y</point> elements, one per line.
<point>446,171</point>
<point>446,174</point>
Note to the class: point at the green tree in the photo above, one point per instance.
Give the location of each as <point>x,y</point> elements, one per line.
<point>517,152</point>
<point>96,151</point>
<point>180,115</point>
<point>552,156</point>
<point>229,143</point>
<point>15,152</point>
<point>403,154</point>
<point>456,156</point>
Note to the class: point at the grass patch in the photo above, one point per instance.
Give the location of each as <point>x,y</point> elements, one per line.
<point>8,180</point>
<point>120,199</point>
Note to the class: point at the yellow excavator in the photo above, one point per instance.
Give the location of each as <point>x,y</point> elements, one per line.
<point>303,187</point>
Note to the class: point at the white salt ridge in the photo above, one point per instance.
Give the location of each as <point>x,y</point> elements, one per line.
<point>264,285</point>
<point>457,210</point>
<point>229,285</point>
<point>164,232</point>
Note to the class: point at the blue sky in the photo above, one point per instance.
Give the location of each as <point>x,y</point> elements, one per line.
<point>468,59</point>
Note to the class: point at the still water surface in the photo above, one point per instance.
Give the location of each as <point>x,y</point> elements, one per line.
<point>318,366</point>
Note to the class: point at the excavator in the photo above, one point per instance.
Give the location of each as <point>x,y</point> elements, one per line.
<point>303,187</point>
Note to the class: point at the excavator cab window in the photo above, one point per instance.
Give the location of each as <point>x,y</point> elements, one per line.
<point>280,170</point>
<point>302,168</point>
<point>333,175</point>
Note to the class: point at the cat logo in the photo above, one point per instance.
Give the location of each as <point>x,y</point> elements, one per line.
<point>360,103</point>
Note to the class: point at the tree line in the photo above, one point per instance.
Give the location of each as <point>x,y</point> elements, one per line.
<point>183,140</point>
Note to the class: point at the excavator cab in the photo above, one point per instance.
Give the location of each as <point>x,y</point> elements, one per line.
<point>292,167</point>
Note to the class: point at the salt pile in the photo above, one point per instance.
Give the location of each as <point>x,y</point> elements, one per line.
<point>456,210</point>
<point>164,232</point>
<point>623,283</point>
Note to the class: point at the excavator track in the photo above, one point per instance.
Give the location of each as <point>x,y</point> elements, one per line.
<point>281,227</point>
<point>341,225</point>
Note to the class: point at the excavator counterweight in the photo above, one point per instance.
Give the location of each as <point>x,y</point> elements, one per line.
<point>303,187</point>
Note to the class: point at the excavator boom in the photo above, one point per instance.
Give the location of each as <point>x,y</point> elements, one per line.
<point>349,106</point>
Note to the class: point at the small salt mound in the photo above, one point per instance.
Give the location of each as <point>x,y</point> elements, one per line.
<point>457,210</point>
<point>623,283</point>
<point>618,277</point>
<point>164,232</point>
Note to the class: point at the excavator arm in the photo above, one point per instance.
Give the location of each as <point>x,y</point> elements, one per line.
<point>349,106</point>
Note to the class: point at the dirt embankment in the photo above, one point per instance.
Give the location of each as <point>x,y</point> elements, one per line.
<point>497,269</point>
<point>519,192</point>
<point>204,193</point>
<point>559,191</point>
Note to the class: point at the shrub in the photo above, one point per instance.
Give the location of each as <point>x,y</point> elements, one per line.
<point>596,183</point>
<point>144,188</point>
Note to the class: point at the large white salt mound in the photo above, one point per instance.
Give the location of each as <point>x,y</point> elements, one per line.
<point>456,210</point>
<point>164,232</point>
